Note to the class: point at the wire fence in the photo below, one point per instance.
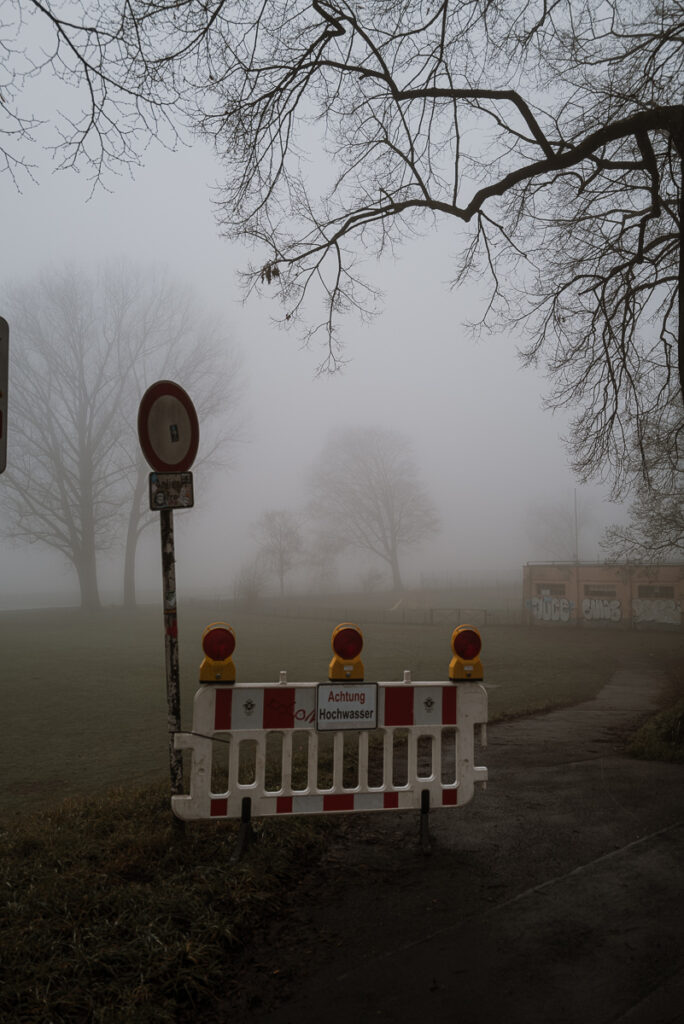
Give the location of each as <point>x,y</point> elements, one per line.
<point>437,616</point>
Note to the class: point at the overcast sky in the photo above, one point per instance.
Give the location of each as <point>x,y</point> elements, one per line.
<point>488,453</point>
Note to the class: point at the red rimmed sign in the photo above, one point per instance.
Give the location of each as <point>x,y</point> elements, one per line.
<point>168,428</point>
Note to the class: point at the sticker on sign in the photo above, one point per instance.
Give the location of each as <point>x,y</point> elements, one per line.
<point>171,490</point>
<point>346,706</point>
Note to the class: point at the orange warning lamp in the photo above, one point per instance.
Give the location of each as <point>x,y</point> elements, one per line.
<point>347,644</point>
<point>465,666</point>
<point>218,644</point>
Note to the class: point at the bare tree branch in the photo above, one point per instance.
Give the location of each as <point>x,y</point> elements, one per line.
<point>552,132</point>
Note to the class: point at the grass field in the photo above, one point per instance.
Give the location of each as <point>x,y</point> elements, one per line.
<point>110,914</point>
<point>84,699</point>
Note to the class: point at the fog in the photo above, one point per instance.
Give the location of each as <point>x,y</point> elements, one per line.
<point>489,455</point>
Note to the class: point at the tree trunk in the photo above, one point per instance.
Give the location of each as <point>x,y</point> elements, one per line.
<point>680,335</point>
<point>87,579</point>
<point>396,575</point>
<point>129,561</point>
<point>85,557</point>
<point>132,535</point>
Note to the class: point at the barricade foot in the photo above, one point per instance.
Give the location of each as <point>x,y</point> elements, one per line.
<point>246,833</point>
<point>425,838</point>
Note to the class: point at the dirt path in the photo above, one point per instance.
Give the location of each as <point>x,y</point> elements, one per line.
<point>556,895</point>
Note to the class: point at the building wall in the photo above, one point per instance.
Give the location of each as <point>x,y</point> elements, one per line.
<point>595,594</point>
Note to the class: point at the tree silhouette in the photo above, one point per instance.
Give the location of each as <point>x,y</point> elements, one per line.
<point>280,542</point>
<point>366,493</point>
<point>84,347</point>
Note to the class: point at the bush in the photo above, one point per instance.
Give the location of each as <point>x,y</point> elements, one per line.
<point>662,737</point>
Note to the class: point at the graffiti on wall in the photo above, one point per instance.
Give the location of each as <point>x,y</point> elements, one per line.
<point>660,609</point>
<point>556,608</point>
<point>601,609</point>
<point>551,609</point>
<point>559,609</point>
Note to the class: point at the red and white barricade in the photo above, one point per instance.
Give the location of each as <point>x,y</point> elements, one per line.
<point>311,748</point>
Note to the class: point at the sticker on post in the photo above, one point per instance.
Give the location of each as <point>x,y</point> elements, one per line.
<point>346,706</point>
<point>170,490</point>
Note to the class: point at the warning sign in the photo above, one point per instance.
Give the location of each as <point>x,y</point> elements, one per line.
<point>347,706</point>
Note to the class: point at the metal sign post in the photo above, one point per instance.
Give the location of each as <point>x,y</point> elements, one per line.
<point>168,430</point>
<point>171,645</point>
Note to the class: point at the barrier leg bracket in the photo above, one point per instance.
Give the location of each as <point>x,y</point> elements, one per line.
<point>246,834</point>
<point>425,838</point>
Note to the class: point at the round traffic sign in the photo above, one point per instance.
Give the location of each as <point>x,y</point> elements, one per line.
<point>168,427</point>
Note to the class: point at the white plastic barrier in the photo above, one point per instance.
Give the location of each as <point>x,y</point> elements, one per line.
<point>281,749</point>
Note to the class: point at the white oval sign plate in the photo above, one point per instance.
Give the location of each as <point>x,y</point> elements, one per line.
<point>168,427</point>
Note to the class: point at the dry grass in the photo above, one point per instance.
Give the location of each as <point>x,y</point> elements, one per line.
<point>111,915</point>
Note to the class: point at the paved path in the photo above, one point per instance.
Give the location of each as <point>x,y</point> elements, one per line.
<point>557,895</point>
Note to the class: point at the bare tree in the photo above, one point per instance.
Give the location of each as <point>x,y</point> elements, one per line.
<point>178,340</point>
<point>655,532</point>
<point>555,528</point>
<point>280,542</point>
<point>366,493</point>
<point>84,347</point>
<point>553,132</point>
<point>320,558</point>
<point>62,484</point>
<point>250,582</point>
